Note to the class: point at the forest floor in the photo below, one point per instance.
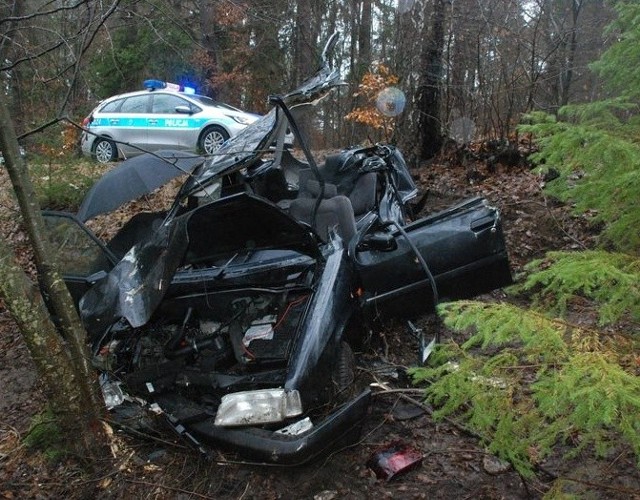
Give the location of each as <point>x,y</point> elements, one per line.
<point>454,464</point>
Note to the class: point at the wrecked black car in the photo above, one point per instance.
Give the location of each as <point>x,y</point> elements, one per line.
<point>234,311</point>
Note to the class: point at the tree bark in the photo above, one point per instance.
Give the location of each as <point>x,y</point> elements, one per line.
<point>209,31</point>
<point>51,357</point>
<point>304,42</point>
<point>429,91</point>
<point>10,41</point>
<point>66,371</point>
<point>567,77</point>
<point>364,39</point>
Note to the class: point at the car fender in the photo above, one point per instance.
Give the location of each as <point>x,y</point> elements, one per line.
<point>329,312</point>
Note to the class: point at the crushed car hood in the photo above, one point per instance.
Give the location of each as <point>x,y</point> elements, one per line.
<point>136,285</point>
<point>230,226</point>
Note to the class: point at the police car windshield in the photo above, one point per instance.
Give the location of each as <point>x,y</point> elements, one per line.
<point>207,101</point>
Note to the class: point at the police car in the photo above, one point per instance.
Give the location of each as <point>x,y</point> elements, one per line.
<point>164,116</point>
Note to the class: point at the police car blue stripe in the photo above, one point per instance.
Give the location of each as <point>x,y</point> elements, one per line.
<point>154,123</point>
<point>119,121</point>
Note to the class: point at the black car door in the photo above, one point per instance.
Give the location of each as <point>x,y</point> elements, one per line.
<point>81,257</point>
<point>454,254</point>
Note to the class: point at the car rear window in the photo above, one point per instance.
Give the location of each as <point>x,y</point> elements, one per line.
<point>135,104</point>
<point>111,107</point>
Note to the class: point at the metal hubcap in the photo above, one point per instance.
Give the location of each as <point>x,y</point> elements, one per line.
<point>104,152</point>
<point>212,141</point>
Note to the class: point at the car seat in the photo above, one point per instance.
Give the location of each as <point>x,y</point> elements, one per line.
<point>348,195</point>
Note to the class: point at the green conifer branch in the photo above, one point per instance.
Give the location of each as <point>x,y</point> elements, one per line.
<point>610,279</point>
<point>530,383</point>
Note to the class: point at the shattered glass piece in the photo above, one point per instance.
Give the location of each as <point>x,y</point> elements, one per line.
<point>426,350</point>
<point>297,427</point>
<point>155,408</point>
<point>393,459</point>
<point>111,392</point>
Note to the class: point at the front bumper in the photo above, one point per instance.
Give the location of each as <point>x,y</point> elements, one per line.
<point>260,445</point>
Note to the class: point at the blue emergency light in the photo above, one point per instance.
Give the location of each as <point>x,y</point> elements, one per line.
<point>159,84</point>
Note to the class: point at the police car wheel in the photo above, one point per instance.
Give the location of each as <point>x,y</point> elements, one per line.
<point>104,150</point>
<point>211,139</point>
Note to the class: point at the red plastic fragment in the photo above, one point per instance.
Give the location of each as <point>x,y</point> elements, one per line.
<point>393,459</point>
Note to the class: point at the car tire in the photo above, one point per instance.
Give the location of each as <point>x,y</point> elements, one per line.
<point>344,372</point>
<point>105,150</point>
<point>211,139</point>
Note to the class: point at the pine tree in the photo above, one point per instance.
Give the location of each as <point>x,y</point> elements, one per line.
<point>530,380</point>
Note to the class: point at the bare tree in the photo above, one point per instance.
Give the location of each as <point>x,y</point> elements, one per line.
<point>486,62</point>
<point>306,36</point>
<point>506,57</point>
<point>566,26</point>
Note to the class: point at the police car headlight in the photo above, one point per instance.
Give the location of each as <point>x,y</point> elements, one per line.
<point>243,120</point>
<point>264,406</point>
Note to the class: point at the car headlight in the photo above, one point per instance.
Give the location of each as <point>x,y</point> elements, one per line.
<point>242,120</point>
<point>264,406</point>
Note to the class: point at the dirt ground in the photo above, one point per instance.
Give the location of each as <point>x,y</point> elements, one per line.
<point>454,464</point>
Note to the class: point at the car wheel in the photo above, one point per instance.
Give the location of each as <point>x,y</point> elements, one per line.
<point>211,139</point>
<point>105,150</point>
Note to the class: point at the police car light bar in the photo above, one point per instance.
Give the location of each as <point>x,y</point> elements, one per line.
<point>159,84</point>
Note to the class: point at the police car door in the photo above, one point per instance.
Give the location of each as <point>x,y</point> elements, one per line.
<point>131,125</point>
<point>170,125</point>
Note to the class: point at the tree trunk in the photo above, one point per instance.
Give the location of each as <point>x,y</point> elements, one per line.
<point>429,91</point>
<point>364,40</point>
<point>11,39</point>
<point>567,77</point>
<point>62,362</point>
<point>209,31</point>
<point>305,56</point>
<point>52,359</point>
<point>305,42</point>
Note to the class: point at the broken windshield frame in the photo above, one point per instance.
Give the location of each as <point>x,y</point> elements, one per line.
<point>246,148</point>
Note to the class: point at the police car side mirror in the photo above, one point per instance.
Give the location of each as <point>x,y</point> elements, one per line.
<point>183,110</point>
